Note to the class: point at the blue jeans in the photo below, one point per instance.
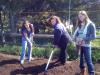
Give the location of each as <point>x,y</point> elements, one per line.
<point>25,44</point>
<point>85,53</point>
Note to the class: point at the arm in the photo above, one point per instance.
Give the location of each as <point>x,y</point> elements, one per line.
<point>69,37</point>
<point>26,37</point>
<point>32,29</point>
<point>75,34</point>
<point>91,33</point>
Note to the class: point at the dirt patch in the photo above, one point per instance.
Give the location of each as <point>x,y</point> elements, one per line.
<point>9,65</point>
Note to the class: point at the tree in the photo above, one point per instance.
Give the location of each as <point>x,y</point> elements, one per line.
<point>40,10</point>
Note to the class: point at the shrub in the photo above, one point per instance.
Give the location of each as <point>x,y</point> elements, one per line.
<point>71,51</point>
<point>96,54</point>
<point>10,49</point>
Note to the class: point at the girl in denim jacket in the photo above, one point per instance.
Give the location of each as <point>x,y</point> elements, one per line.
<point>83,35</point>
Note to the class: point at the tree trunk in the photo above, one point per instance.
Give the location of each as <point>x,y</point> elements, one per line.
<point>11,22</point>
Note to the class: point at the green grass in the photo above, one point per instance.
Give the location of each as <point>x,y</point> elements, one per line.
<point>98,32</point>
<point>96,43</point>
<point>37,51</point>
<point>45,51</point>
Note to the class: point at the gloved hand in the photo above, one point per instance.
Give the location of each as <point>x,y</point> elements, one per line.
<point>81,42</point>
<point>30,43</point>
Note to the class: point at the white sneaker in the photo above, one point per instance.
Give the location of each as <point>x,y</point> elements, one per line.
<point>22,62</point>
<point>31,59</point>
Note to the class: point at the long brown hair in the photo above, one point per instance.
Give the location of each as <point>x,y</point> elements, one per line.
<point>58,20</point>
<point>24,22</point>
<point>23,25</point>
<point>87,19</point>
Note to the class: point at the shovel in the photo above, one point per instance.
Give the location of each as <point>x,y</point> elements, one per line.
<point>49,60</point>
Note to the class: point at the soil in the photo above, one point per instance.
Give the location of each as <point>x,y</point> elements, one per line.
<point>10,65</point>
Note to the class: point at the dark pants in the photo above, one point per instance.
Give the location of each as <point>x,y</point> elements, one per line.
<point>62,56</point>
<point>62,46</point>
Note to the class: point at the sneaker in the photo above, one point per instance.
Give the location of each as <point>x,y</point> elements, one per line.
<point>22,62</point>
<point>30,59</point>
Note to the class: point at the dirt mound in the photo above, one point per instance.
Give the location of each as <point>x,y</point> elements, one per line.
<point>9,65</point>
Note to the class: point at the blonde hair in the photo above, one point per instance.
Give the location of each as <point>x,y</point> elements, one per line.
<point>87,19</point>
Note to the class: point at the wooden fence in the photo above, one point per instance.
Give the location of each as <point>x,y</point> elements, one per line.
<point>15,38</point>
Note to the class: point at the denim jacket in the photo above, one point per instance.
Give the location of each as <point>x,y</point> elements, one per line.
<point>88,34</point>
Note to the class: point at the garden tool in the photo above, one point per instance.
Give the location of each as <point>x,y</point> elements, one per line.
<point>49,60</point>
